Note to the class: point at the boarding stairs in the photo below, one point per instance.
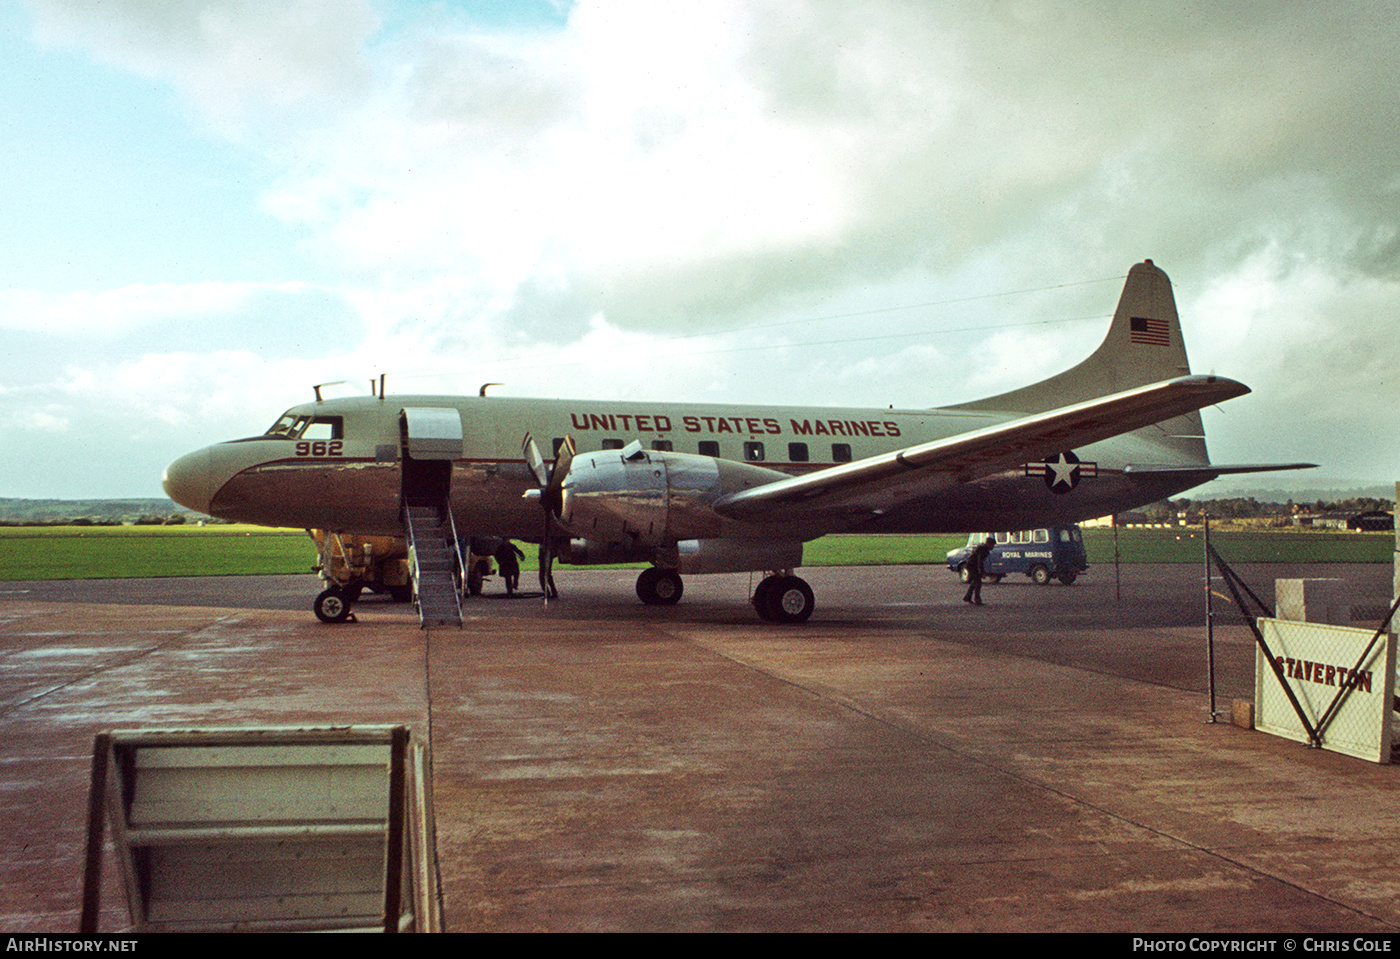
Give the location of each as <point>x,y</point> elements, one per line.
<point>432,542</point>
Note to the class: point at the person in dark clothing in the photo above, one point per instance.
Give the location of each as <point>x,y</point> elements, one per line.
<point>508,557</point>
<point>975,568</point>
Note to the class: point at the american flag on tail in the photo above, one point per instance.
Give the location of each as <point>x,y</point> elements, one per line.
<point>1148,331</point>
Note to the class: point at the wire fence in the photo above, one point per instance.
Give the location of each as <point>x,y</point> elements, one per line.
<point>1325,653</point>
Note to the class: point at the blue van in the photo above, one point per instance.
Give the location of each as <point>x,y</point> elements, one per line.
<point>1042,554</point>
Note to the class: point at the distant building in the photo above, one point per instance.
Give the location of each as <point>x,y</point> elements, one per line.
<point>1370,521</point>
<point>1309,520</point>
<point>1376,520</point>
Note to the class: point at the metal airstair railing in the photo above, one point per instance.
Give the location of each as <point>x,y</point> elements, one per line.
<point>458,571</point>
<point>444,524</point>
<point>413,570</point>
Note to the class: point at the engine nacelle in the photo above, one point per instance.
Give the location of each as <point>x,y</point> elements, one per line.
<point>650,498</point>
<point>736,555</point>
<point>586,552</point>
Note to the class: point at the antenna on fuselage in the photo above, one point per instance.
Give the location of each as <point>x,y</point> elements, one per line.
<point>485,386</point>
<point>317,388</point>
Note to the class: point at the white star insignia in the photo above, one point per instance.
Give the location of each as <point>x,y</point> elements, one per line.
<point>1062,469</point>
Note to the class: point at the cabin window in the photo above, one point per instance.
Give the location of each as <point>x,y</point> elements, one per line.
<point>753,451</point>
<point>840,452</point>
<point>709,447</point>
<point>797,452</point>
<point>613,444</point>
<point>662,445</point>
<point>1042,536</point>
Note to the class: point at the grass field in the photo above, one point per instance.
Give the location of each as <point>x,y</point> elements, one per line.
<point>115,552</point>
<point>112,552</point>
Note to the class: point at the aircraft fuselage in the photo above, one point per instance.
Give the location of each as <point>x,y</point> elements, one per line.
<point>343,470</point>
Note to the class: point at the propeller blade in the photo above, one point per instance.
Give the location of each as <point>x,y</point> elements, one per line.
<point>535,461</point>
<point>553,493</point>
<point>551,497</point>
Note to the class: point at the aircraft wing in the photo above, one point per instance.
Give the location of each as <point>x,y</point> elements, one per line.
<point>878,482</point>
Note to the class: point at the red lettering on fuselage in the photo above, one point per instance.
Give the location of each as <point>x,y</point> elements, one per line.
<point>882,428</point>
<point>751,425</point>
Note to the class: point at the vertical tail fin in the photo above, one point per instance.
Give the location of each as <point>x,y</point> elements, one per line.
<point>1143,345</point>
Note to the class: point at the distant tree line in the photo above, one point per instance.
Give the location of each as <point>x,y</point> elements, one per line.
<point>139,512</point>
<point>96,521</point>
<point>1250,508</point>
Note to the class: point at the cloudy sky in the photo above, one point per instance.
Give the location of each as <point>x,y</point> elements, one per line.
<point>212,205</point>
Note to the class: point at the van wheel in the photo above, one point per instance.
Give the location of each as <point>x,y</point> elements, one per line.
<point>1040,574</point>
<point>1068,577</point>
<point>964,575</point>
<point>994,578</point>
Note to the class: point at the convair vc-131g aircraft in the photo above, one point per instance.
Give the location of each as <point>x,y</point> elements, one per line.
<point>726,488</point>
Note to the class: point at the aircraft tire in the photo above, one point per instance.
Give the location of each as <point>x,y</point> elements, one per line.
<point>760,597</point>
<point>1040,575</point>
<point>784,599</point>
<point>659,587</point>
<point>332,606</point>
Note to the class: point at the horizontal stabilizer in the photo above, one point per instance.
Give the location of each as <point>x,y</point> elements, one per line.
<point>1221,469</point>
<point>1204,474</point>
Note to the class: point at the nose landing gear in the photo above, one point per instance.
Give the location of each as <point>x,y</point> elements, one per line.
<point>333,605</point>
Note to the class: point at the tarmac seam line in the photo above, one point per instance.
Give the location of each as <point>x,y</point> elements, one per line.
<point>826,693</point>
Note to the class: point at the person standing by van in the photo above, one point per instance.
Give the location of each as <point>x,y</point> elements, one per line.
<point>975,564</point>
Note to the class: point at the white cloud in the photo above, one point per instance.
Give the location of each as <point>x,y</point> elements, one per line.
<point>236,59</point>
<point>468,193</point>
<point>108,314</point>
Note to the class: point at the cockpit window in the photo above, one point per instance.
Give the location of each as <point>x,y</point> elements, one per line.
<point>293,426</point>
<point>289,426</point>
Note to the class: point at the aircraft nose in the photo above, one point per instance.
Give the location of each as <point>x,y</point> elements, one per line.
<point>187,481</point>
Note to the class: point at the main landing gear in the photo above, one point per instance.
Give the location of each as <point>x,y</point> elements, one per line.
<point>779,598</point>
<point>659,587</point>
<point>783,598</point>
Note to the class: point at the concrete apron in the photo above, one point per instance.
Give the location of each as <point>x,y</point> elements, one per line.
<point>625,773</point>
